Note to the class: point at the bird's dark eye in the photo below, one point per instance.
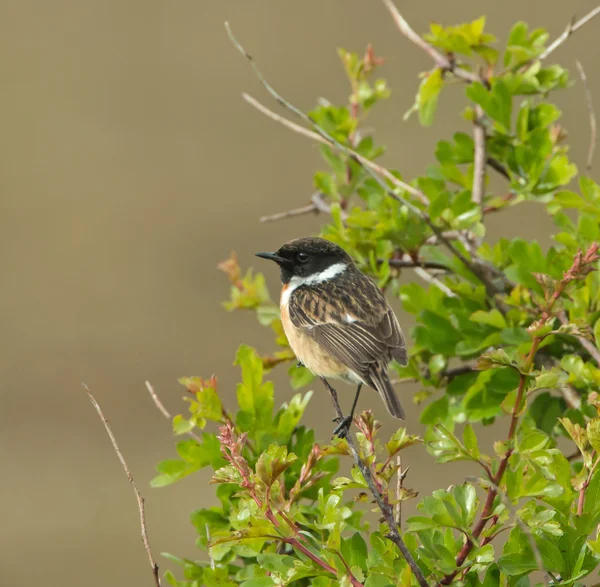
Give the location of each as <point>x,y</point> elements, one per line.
<point>302,257</point>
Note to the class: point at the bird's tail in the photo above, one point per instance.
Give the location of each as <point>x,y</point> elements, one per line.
<point>381,382</point>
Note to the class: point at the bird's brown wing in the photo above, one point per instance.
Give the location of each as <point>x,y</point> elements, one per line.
<point>351,319</point>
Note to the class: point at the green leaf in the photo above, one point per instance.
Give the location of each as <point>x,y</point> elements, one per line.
<point>272,463</point>
<point>593,433</point>
<point>496,102</point>
<point>470,441</point>
<point>428,95</point>
<point>399,440</point>
<point>255,398</point>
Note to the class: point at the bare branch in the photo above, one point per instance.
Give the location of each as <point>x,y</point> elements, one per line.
<point>591,113</point>
<point>138,496</point>
<point>385,508</point>
<point>164,411</point>
<point>311,208</point>
<point>363,161</point>
<point>479,159</point>
<point>425,276</point>
<point>440,59</point>
<point>572,27</point>
<point>318,204</point>
<point>498,167</point>
<point>409,263</point>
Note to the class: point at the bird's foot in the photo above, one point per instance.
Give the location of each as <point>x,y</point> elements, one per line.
<point>299,364</point>
<point>343,426</point>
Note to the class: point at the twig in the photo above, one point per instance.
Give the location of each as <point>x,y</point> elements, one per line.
<point>581,499</point>
<point>138,496</point>
<point>386,509</point>
<point>591,113</point>
<point>366,165</point>
<point>399,483</point>
<point>425,276</point>
<point>164,411</point>
<point>479,158</point>
<point>311,208</point>
<point>440,60</point>
<point>571,397</point>
<point>318,204</point>
<point>572,27</point>
<point>498,167</point>
<point>297,128</point>
<point>407,262</point>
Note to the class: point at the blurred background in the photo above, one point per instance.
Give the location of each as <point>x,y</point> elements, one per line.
<point>129,167</point>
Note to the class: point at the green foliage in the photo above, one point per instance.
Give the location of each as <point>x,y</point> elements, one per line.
<point>505,332</point>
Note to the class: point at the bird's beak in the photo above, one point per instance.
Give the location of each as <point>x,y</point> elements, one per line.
<point>274,257</point>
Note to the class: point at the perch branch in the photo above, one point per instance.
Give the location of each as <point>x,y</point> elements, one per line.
<point>572,27</point>
<point>386,508</point>
<point>138,496</point>
<point>440,60</point>
<point>591,113</point>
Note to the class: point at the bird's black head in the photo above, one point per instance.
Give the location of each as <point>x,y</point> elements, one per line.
<point>307,257</point>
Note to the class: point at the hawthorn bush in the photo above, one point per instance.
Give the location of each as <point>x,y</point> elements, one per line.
<point>504,331</point>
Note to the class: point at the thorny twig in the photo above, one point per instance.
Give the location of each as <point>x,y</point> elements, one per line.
<point>591,113</point>
<point>385,508</point>
<point>138,496</point>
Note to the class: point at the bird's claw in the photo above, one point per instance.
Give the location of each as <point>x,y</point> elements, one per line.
<point>343,427</point>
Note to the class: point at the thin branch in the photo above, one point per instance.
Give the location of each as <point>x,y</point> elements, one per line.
<point>427,277</point>
<point>498,167</point>
<point>311,208</point>
<point>164,411</point>
<point>138,496</point>
<point>479,159</point>
<point>317,205</point>
<point>571,397</point>
<point>366,164</point>
<point>407,262</point>
<point>399,486</point>
<point>572,27</point>
<point>591,113</point>
<point>440,60</point>
<point>297,128</point>
<point>386,508</point>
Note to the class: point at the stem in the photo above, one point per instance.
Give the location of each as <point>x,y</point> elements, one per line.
<point>385,508</point>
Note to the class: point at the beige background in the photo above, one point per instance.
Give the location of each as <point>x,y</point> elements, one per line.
<point>129,166</point>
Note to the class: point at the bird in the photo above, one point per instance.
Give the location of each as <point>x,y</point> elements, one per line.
<point>337,320</point>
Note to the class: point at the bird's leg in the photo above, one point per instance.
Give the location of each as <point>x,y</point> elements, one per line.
<point>334,401</point>
<point>344,424</point>
<point>299,364</point>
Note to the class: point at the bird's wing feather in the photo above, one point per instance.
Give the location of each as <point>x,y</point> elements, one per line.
<point>352,321</point>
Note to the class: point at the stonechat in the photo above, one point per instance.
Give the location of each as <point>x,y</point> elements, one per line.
<point>337,321</point>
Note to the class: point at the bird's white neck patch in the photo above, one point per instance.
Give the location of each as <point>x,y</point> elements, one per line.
<point>324,275</point>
